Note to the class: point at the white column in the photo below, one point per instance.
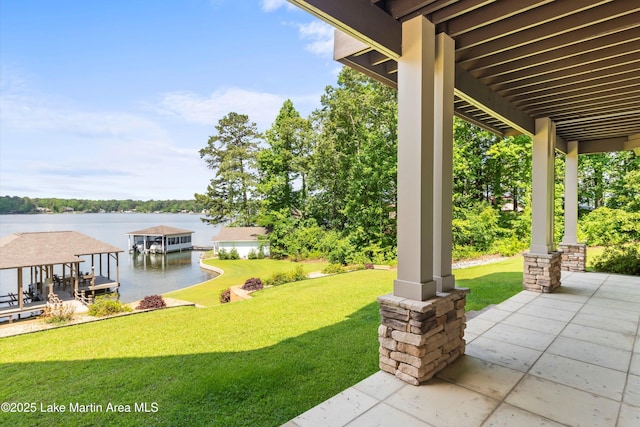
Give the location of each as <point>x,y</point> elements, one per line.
<point>444,73</point>
<point>415,161</point>
<point>543,187</point>
<point>571,194</point>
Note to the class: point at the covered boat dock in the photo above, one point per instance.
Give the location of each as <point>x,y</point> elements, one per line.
<point>48,263</point>
<point>160,239</point>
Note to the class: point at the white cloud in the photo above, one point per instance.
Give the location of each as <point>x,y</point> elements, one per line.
<point>261,107</point>
<point>271,5</point>
<point>320,37</point>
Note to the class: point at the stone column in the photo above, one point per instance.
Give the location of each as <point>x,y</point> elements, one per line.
<point>422,330</point>
<point>574,254</point>
<point>542,263</point>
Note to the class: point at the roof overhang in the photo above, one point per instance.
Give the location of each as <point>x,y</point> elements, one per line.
<point>576,62</point>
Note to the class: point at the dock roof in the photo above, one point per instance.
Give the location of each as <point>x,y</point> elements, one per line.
<point>160,230</point>
<point>48,248</point>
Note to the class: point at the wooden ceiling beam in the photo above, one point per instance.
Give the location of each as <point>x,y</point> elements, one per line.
<point>477,94</point>
<point>491,55</point>
<point>539,13</point>
<point>573,65</point>
<point>564,82</point>
<point>545,62</point>
<point>570,24</point>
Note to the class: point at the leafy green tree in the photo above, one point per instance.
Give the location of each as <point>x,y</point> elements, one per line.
<point>231,153</point>
<point>283,165</point>
<point>511,159</point>
<point>355,160</point>
<point>474,168</point>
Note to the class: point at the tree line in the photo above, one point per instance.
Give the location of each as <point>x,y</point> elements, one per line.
<point>326,185</point>
<point>26,205</point>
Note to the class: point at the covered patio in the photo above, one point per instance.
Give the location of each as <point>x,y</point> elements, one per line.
<point>571,357</point>
<point>565,73</point>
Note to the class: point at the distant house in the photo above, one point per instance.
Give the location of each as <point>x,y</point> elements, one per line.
<point>160,239</point>
<point>243,239</point>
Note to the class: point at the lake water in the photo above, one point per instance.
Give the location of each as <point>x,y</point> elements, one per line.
<point>140,274</point>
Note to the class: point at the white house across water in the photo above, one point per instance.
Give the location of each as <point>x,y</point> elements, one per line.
<point>242,239</point>
<point>160,239</point>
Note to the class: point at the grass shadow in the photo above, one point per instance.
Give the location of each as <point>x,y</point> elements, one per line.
<point>263,387</point>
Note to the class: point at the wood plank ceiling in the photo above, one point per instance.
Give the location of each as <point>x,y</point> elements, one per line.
<point>575,61</point>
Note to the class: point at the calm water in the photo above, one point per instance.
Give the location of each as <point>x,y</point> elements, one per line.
<point>140,275</point>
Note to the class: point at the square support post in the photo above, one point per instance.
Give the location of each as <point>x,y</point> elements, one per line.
<point>574,254</point>
<point>415,161</point>
<point>443,162</point>
<point>422,330</point>
<point>542,263</point>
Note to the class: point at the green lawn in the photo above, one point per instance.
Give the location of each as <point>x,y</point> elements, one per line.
<point>258,362</point>
<point>235,273</point>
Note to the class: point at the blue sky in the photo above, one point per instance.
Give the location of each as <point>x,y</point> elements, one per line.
<point>113,99</point>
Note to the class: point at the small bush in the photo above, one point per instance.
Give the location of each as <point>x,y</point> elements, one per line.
<point>295,275</point>
<point>224,254</point>
<point>225,296</point>
<point>106,306</point>
<point>276,279</point>
<point>253,284</point>
<point>58,312</point>
<point>619,260</point>
<point>151,301</point>
<point>260,254</point>
<point>509,246</point>
<point>252,254</point>
<point>333,269</point>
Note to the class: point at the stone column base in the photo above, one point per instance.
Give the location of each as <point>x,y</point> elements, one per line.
<point>542,272</point>
<point>420,338</point>
<point>574,256</point>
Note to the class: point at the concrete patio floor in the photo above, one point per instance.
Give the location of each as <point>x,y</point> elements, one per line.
<point>567,358</point>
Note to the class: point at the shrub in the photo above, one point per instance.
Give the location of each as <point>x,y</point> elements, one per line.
<point>58,312</point>
<point>223,254</point>
<point>252,254</point>
<point>509,246</point>
<point>107,306</point>
<point>605,226</point>
<point>260,254</point>
<point>233,254</point>
<point>295,275</point>
<point>276,279</point>
<point>619,260</point>
<point>225,296</point>
<point>151,301</point>
<point>252,284</point>
<point>333,269</point>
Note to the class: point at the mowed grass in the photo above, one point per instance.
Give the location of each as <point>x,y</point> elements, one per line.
<point>491,283</point>
<point>258,362</point>
<point>235,273</point>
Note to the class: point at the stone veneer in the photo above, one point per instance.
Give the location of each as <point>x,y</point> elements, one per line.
<point>574,256</point>
<point>420,338</point>
<point>542,272</point>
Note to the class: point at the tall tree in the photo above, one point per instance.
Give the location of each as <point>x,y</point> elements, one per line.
<point>511,168</point>
<point>283,165</point>
<point>355,159</point>
<point>231,153</point>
